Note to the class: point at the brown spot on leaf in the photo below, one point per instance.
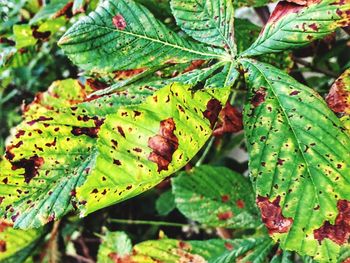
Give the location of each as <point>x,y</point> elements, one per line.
<point>230,121</point>
<point>225,215</point>
<point>340,231</point>
<point>259,97</point>
<point>88,131</point>
<point>212,112</point>
<point>2,245</point>
<point>40,119</point>
<point>194,65</point>
<point>164,144</point>
<point>65,11</point>
<point>96,84</point>
<point>225,198</point>
<point>119,22</point>
<point>30,166</point>
<point>338,99</point>
<point>294,92</point>
<point>240,203</point>
<point>272,217</point>
<point>40,35</point>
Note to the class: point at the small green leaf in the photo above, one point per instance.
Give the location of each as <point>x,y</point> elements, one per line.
<point>299,163</point>
<point>125,35</point>
<point>292,25</point>
<point>216,196</point>
<point>165,203</point>
<point>208,21</point>
<point>114,244</point>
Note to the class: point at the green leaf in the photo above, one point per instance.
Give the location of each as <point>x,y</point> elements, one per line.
<point>159,137</point>
<point>125,35</point>
<point>245,34</point>
<point>113,244</point>
<point>23,36</point>
<point>17,245</point>
<point>299,162</point>
<point>208,21</point>
<point>50,10</point>
<point>254,250</point>
<point>165,203</point>
<point>226,78</point>
<point>292,25</point>
<point>58,135</point>
<point>216,196</point>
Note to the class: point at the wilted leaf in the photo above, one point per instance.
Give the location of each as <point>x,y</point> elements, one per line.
<point>292,25</point>
<point>215,196</point>
<point>299,161</point>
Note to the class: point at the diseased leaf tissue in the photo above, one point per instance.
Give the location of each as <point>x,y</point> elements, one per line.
<point>141,91</point>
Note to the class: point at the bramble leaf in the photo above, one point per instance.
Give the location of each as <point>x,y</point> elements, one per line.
<point>208,21</point>
<point>299,162</point>
<point>125,35</point>
<point>216,196</point>
<point>165,203</point>
<point>292,25</point>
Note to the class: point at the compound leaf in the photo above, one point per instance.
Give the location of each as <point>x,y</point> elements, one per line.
<point>125,35</point>
<point>299,162</point>
<point>292,25</point>
<point>208,21</point>
<point>216,196</point>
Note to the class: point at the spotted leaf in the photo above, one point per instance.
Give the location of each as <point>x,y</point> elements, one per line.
<point>57,137</point>
<point>216,196</point>
<point>140,146</point>
<point>338,98</point>
<point>101,41</point>
<point>299,163</point>
<point>292,25</point>
<point>17,245</point>
<point>208,21</point>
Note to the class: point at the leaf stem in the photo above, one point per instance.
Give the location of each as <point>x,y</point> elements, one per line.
<point>206,151</point>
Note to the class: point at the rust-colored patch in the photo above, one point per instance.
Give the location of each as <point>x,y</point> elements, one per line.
<point>340,231</point>
<point>259,97</point>
<point>4,40</point>
<point>120,259</point>
<point>225,198</point>
<point>4,225</point>
<point>40,119</point>
<point>92,132</point>
<point>65,11</point>
<point>240,203</point>
<point>225,215</point>
<point>2,245</point>
<point>95,84</point>
<point>125,74</point>
<point>272,217</point>
<point>164,144</point>
<point>338,98</point>
<point>212,112</point>
<point>119,22</point>
<point>230,121</point>
<point>30,166</point>
<point>194,65</point>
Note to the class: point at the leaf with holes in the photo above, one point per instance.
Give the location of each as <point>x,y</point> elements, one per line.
<point>217,197</point>
<point>299,161</point>
<point>125,35</point>
<point>292,25</point>
<point>158,137</point>
<point>208,21</point>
